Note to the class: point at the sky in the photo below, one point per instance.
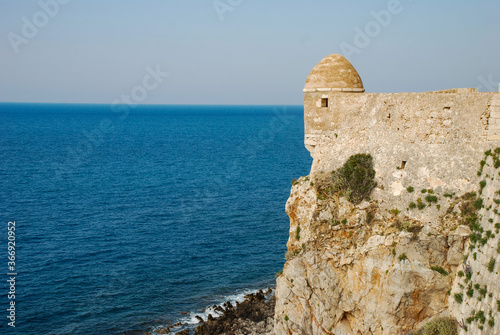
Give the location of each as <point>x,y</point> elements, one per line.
<point>238,51</point>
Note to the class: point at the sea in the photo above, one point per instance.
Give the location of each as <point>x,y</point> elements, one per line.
<point>127,218</point>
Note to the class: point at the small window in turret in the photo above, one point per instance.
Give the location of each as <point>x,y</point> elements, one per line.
<point>324,102</point>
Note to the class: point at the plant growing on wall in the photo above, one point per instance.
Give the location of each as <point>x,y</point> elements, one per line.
<point>355,178</point>
<point>442,325</point>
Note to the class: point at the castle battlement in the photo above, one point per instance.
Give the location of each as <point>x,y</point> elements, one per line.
<point>424,140</point>
<point>419,253</point>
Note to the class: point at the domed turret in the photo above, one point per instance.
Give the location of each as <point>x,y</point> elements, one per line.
<point>334,73</point>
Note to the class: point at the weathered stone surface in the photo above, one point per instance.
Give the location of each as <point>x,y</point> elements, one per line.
<point>334,72</point>
<point>383,266</point>
<point>348,278</point>
<point>486,278</point>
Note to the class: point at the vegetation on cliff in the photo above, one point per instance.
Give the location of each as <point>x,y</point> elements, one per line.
<point>355,178</point>
<point>440,326</point>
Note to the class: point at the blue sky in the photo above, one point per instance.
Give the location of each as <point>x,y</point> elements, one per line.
<point>239,51</point>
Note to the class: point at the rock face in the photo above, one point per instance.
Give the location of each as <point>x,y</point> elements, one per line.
<point>425,244</point>
<point>478,284</point>
<point>356,269</point>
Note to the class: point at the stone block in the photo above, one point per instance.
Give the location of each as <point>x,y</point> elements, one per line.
<point>493,132</point>
<point>494,126</point>
<point>493,138</point>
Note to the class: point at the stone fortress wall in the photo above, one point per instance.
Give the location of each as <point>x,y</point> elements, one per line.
<point>345,271</point>
<point>431,140</point>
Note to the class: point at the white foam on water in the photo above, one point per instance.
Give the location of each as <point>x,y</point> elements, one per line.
<point>189,321</point>
<point>233,298</point>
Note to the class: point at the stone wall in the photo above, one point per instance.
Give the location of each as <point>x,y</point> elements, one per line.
<point>480,291</point>
<point>494,120</point>
<point>424,140</point>
<point>386,265</point>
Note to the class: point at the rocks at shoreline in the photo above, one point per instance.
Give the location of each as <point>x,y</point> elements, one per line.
<point>253,316</point>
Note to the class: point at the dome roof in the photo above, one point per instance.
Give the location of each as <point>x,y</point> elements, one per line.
<point>334,73</point>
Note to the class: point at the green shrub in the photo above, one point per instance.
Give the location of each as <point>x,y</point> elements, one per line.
<point>470,195</point>
<point>412,205</point>
<point>395,211</point>
<point>498,305</point>
<point>297,233</point>
<point>480,317</point>
<point>474,237</point>
<point>294,182</point>
<point>424,190</point>
<point>355,178</point>
<point>474,225</point>
<point>286,318</point>
<point>460,273</point>
<point>421,205</point>
<point>403,225</point>
<point>448,195</point>
<point>431,198</point>
<point>470,291</point>
<point>491,264</point>
<point>402,257</point>
<point>459,297</point>
<point>468,277</point>
<point>410,189</point>
<point>279,273</point>
<point>440,270</point>
<point>478,203</point>
<point>344,221</point>
<point>333,222</point>
<point>440,326</point>
<point>482,185</point>
<point>491,322</point>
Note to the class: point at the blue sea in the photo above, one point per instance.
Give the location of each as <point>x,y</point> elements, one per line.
<point>128,218</point>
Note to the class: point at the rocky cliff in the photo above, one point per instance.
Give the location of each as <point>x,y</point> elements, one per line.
<point>361,266</point>
<point>394,230</point>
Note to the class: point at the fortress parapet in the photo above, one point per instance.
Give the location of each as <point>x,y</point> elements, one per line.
<point>427,139</point>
